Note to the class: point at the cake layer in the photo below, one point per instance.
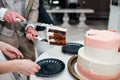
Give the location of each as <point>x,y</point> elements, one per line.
<point>111,67</point>
<point>101,55</point>
<point>89,75</point>
<point>56,35</point>
<point>102,39</point>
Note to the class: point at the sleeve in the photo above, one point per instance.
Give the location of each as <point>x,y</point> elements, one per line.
<point>33,15</point>
<point>2,12</point>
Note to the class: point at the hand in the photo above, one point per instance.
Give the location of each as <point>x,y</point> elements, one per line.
<point>10,51</point>
<point>10,17</point>
<point>26,67</point>
<point>31,33</point>
<point>113,30</point>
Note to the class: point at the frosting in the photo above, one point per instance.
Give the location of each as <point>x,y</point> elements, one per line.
<point>99,58</point>
<point>92,76</point>
<point>102,39</point>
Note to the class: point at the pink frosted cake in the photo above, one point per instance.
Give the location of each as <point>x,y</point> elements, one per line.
<point>99,58</point>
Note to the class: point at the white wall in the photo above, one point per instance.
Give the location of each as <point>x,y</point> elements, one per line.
<point>114,18</point>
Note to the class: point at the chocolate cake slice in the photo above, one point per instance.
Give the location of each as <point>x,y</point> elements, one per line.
<point>57,36</point>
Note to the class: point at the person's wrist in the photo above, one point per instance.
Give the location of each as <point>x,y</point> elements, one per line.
<point>15,65</point>
<point>29,25</point>
<point>2,44</point>
<point>29,29</point>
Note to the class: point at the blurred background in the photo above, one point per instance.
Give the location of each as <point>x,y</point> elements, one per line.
<point>106,15</point>
<point>101,8</point>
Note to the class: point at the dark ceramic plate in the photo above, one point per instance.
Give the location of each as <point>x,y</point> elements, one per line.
<point>50,67</point>
<point>71,48</point>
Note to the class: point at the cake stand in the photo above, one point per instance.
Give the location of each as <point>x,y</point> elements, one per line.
<point>72,66</point>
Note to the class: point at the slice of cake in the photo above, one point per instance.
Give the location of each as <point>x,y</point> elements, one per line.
<point>56,35</point>
<point>99,58</point>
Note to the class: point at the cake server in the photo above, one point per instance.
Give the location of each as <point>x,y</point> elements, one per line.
<point>34,23</point>
<point>48,26</point>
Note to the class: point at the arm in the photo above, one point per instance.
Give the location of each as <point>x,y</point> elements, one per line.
<point>23,66</point>
<point>33,14</point>
<point>31,33</point>
<point>10,17</point>
<point>26,67</point>
<point>43,16</point>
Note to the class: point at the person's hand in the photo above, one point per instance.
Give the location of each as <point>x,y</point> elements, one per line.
<point>10,17</point>
<point>10,51</point>
<point>112,30</point>
<point>31,33</point>
<point>26,67</point>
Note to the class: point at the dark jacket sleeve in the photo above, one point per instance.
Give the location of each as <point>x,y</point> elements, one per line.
<point>43,16</point>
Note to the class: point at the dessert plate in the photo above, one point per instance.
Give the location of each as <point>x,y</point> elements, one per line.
<point>71,48</point>
<point>72,68</point>
<point>50,67</point>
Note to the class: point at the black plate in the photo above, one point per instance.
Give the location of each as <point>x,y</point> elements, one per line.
<point>50,67</point>
<point>71,48</point>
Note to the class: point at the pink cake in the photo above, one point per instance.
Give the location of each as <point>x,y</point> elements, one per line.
<point>99,58</point>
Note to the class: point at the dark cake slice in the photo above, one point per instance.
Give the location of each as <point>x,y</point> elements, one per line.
<point>58,36</point>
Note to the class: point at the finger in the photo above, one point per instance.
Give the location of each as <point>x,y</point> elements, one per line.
<point>6,17</point>
<point>33,70</point>
<point>20,17</point>
<point>30,37</point>
<point>18,57</point>
<point>9,54</point>
<point>16,52</point>
<point>38,67</point>
<point>113,30</point>
<point>34,37</point>
<point>19,53</point>
<point>14,20</point>
<point>10,20</point>
<point>34,32</point>
<point>27,36</point>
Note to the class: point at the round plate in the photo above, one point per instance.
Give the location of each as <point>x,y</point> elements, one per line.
<point>71,65</point>
<point>71,48</point>
<point>50,67</point>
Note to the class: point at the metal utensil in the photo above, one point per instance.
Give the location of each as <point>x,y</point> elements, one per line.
<point>50,29</point>
<point>34,23</point>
